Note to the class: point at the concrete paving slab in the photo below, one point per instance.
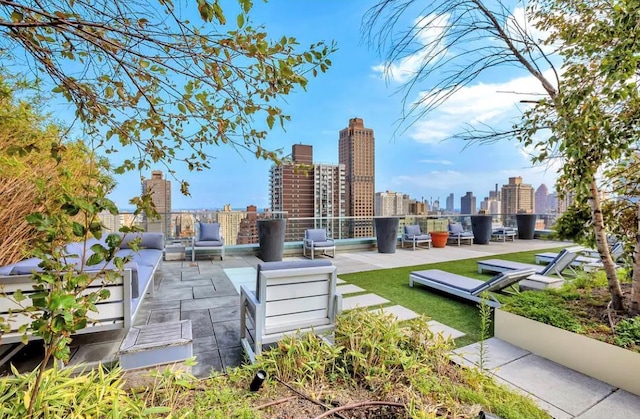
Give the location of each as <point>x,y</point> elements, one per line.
<point>348,289</point>
<point>399,312</point>
<point>619,405</point>
<point>497,353</point>
<point>562,387</point>
<point>446,331</point>
<point>365,300</point>
<point>340,281</point>
<point>554,411</point>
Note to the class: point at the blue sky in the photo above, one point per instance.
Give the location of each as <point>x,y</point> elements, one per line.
<point>414,161</point>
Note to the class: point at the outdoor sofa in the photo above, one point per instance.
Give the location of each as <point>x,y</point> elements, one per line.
<point>468,288</point>
<point>126,293</point>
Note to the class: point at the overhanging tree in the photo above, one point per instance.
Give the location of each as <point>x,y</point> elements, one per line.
<point>142,73</point>
<point>590,111</point>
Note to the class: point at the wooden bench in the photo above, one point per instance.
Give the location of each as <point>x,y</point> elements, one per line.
<point>290,298</point>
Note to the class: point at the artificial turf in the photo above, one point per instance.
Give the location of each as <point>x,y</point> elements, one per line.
<point>393,284</point>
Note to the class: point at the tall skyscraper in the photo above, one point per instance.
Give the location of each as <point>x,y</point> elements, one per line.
<point>292,190</point>
<point>160,191</point>
<point>468,204</point>
<point>230,224</point>
<point>357,153</point>
<point>314,192</point>
<point>389,203</point>
<point>450,204</point>
<point>517,197</point>
<point>542,200</point>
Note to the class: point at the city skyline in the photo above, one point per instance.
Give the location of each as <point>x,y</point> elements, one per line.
<point>415,160</point>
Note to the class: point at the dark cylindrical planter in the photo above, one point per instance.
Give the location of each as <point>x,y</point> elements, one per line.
<point>387,234</point>
<point>481,227</point>
<point>526,225</point>
<point>271,239</point>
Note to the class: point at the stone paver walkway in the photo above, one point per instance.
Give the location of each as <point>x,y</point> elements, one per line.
<point>561,391</point>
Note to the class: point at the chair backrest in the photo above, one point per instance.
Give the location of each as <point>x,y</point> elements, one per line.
<point>456,228</point>
<point>412,230</point>
<point>503,280</point>
<point>296,295</point>
<point>617,250</point>
<point>208,231</point>
<point>561,261</point>
<point>316,234</point>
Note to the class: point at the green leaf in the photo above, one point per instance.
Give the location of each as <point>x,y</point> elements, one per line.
<point>95,259</point>
<point>78,229</point>
<point>17,16</point>
<point>240,20</point>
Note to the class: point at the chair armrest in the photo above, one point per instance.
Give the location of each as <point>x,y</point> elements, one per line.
<point>337,306</point>
<point>308,242</point>
<point>248,296</point>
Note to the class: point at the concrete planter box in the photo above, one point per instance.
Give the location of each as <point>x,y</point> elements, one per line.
<point>611,364</point>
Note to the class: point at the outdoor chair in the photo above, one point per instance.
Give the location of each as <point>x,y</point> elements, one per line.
<point>457,234</point>
<point>562,261</point>
<point>468,288</point>
<point>413,234</point>
<point>500,232</point>
<point>316,239</point>
<point>207,237</point>
<point>616,249</point>
<point>290,298</point>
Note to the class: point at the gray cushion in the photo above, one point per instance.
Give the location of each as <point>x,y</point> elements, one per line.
<point>412,230</point>
<point>461,234</point>
<point>419,237</point>
<point>459,282</point>
<point>6,270</point>
<point>316,235</point>
<point>209,232</point>
<point>325,243</point>
<point>209,243</point>
<point>293,264</point>
<point>148,240</point>
<point>456,228</point>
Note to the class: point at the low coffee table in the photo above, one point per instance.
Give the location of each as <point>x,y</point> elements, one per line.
<point>174,251</point>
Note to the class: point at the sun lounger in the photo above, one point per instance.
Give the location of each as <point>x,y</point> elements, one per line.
<point>468,288</point>
<point>562,261</point>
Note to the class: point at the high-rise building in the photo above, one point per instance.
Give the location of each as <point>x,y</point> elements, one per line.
<point>312,195</point>
<point>329,197</point>
<point>160,191</point>
<point>517,197</point>
<point>183,225</point>
<point>292,191</point>
<point>389,203</point>
<point>357,153</point>
<point>542,200</point>
<point>450,205</point>
<point>248,230</point>
<point>468,204</point>
<point>230,224</point>
<point>110,222</point>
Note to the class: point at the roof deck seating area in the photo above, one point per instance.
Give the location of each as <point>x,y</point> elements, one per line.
<point>562,261</point>
<point>502,233</point>
<point>414,235</point>
<point>207,237</point>
<point>290,298</point>
<point>468,288</point>
<point>458,235</point>
<point>316,240</point>
<point>126,293</point>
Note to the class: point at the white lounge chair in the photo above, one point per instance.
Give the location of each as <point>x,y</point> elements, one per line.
<point>290,298</point>
<point>468,288</point>
<point>562,261</point>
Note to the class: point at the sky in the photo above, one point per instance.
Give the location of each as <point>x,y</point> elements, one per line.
<point>415,160</point>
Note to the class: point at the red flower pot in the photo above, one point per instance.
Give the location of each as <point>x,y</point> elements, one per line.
<point>439,238</point>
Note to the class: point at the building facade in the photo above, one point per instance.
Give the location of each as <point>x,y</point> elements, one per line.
<point>389,203</point>
<point>356,150</point>
<point>542,200</point>
<point>230,224</point>
<point>449,203</point>
<point>517,197</point>
<point>329,198</point>
<point>160,191</point>
<point>468,204</point>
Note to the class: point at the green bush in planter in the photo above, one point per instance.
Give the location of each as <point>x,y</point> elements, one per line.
<point>545,307</point>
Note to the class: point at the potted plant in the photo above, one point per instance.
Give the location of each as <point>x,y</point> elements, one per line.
<point>481,227</point>
<point>526,225</point>
<point>439,238</point>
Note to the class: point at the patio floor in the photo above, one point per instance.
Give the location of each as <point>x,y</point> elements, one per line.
<point>206,292</point>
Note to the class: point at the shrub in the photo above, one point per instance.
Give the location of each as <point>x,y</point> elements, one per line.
<point>545,307</point>
<point>627,332</point>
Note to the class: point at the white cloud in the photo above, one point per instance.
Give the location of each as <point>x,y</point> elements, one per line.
<point>428,34</point>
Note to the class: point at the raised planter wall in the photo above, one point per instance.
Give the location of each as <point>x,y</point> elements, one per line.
<point>611,364</point>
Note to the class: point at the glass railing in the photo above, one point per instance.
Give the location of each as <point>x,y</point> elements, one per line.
<point>239,227</point>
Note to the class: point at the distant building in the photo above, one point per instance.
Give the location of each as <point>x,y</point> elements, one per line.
<point>542,200</point>
<point>468,204</point>
<point>160,191</point>
<point>517,197</point>
<point>110,222</point>
<point>563,203</point>
<point>248,229</point>
<point>329,197</point>
<point>230,224</point>
<point>450,204</point>
<point>356,150</point>
<point>389,203</point>
<point>183,225</point>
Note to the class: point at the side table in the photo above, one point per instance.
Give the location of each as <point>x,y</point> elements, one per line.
<point>174,251</point>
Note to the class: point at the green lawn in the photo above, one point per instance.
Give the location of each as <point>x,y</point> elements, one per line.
<point>393,284</point>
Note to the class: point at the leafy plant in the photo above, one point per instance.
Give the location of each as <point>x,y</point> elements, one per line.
<point>545,307</point>
<point>627,332</point>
